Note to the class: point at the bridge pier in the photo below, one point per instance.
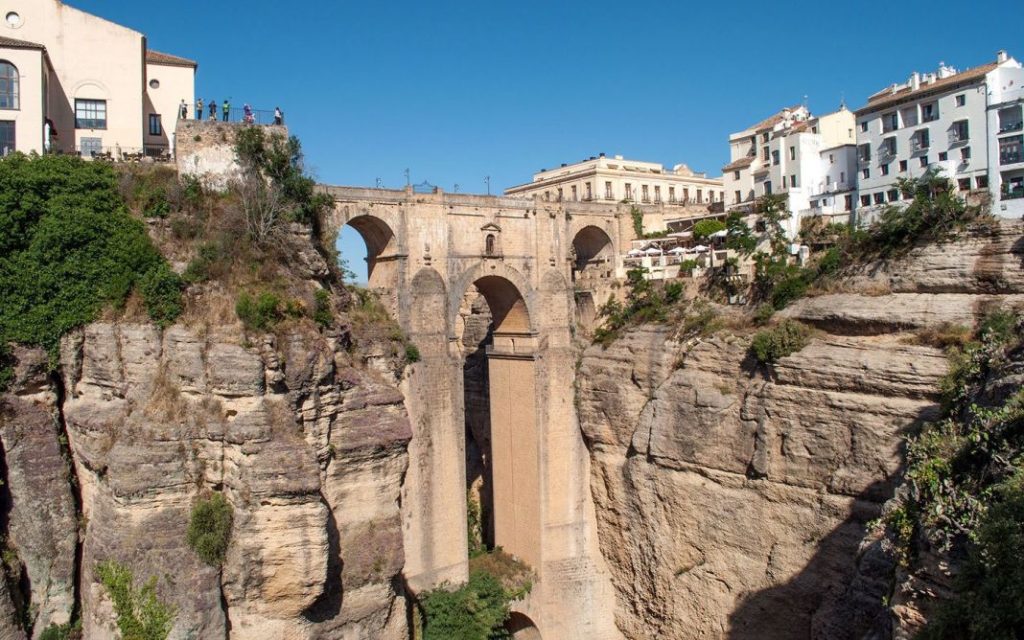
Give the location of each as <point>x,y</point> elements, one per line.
<point>515,446</point>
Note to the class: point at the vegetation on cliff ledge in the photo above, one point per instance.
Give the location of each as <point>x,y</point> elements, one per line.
<point>209,529</point>
<point>69,247</point>
<point>141,615</point>
<point>479,609</point>
<point>965,487</point>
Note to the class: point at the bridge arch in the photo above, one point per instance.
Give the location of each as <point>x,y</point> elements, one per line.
<point>594,253</point>
<point>507,291</point>
<point>522,627</point>
<point>381,249</point>
<point>510,444</point>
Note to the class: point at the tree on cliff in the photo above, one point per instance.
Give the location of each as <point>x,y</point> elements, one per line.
<point>69,247</point>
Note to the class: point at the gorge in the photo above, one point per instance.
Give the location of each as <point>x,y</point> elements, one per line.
<point>665,484</point>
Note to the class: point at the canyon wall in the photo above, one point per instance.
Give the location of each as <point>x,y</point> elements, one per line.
<point>733,499</point>
<point>307,443</point>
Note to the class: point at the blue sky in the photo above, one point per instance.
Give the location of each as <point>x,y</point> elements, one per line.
<point>457,90</point>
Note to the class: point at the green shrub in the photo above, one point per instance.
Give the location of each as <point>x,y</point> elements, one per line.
<point>68,631</point>
<point>192,193</point>
<point>645,302</point>
<point>474,528</point>
<point>789,289</point>
<point>706,228</point>
<point>6,365</point>
<point>200,269</point>
<point>209,529</point>
<point>260,313</point>
<point>476,611</point>
<point>322,315</point>
<point>829,262</point>
<point>763,313</point>
<point>280,162</point>
<point>140,613</point>
<point>687,265</point>
<point>638,221</point>
<point>785,338</point>
<point>161,293</point>
<point>412,353</point>
<point>997,326</point>
<point>990,588</point>
<point>68,247</point>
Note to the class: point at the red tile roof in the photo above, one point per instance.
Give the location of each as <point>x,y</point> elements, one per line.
<point>11,43</point>
<point>742,163</point>
<point>771,121</point>
<point>886,97</point>
<point>156,57</point>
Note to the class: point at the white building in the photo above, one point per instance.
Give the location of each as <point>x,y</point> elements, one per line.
<point>809,160</point>
<point>619,180</point>
<point>965,124</point>
<point>73,82</point>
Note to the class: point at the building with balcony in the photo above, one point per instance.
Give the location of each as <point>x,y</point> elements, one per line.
<point>809,160</point>
<point>71,82</point>
<point>950,121</point>
<point>616,179</point>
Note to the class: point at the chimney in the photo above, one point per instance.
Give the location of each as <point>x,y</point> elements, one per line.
<point>1001,56</point>
<point>915,81</point>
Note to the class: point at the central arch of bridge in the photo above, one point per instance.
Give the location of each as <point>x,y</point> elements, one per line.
<point>426,254</point>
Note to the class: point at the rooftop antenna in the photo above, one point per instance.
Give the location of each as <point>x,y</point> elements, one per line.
<point>487,179</point>
<point>379,183</point>
<point>407,181</point>
<point>842,100</point>
<point>456,189</point>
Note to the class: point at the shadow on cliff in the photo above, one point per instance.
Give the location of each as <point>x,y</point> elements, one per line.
<point>839,593</point>
<point>328,605</point>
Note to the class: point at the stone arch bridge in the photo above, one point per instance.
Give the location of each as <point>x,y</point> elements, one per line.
<point>541,267</point>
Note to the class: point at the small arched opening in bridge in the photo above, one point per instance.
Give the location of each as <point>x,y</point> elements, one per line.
<point>593,270</point>
<point>502,454</point>
<point>594,254</point>
<point>368,248</point>
<point>520,627</point>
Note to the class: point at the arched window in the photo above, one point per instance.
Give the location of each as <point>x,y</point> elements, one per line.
<point>9,86</point>
<point>489,248</point>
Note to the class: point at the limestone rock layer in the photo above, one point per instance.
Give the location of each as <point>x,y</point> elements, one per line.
<point>107,462</point>
<point>733,499</point>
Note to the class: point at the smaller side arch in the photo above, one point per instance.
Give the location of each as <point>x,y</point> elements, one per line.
<point>594,253</point>
<point>522,627</point>
<point>381,248</point>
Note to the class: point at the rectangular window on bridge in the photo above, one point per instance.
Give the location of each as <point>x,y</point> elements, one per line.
<point>608,191</point>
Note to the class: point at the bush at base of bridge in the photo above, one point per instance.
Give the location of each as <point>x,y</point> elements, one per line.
<point>479,609</point>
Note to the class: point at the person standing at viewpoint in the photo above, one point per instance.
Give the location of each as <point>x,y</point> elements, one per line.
<point>213,109</point>
<point>226,111</point>
<point>199,109</point>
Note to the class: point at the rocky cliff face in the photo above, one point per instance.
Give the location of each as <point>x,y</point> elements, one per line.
<point>307,443</point>
<point>733,499</point>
